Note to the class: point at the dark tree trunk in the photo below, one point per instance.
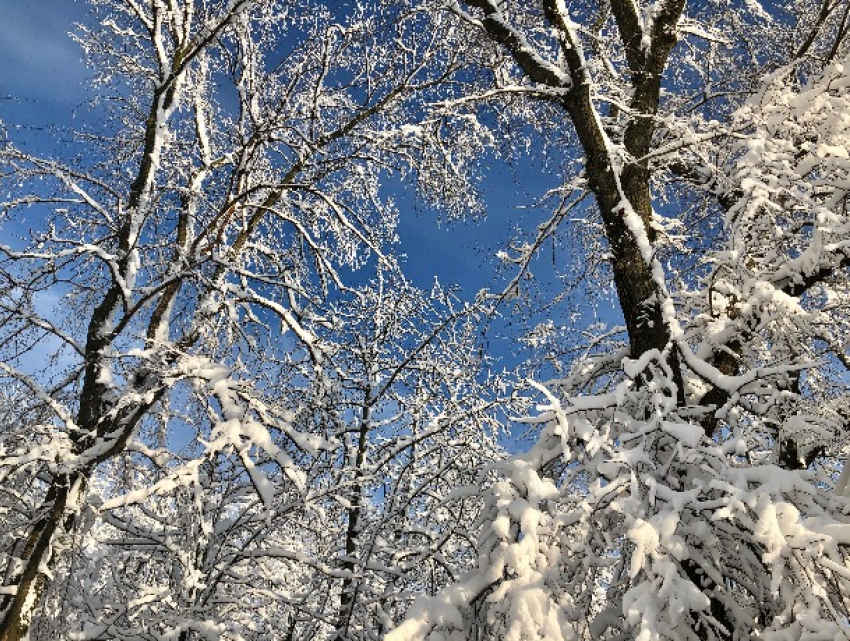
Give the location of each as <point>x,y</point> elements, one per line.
<point>348,593</point>
<point>27,580</point>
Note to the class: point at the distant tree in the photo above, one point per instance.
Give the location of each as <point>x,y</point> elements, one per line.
<point>421,421</point>
<point>413,421</point>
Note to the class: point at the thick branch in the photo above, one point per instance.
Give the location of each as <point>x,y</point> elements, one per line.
<point>534,66</point>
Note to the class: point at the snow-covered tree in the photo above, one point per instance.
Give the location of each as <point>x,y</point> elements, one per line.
<point>226,433</point>
<point>420,421</point>
<point>195,242</point>
<point>413,422</point>
<point>689,483</point>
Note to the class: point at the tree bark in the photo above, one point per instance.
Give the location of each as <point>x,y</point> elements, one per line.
<point>16,609</point>
<point>639,295</point>
<point>348,592</point>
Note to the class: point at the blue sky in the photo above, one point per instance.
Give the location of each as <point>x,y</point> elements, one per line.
<point>43,83</point>
<point>42,71</point>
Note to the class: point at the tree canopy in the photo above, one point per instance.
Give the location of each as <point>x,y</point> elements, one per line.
<point>251,424</point>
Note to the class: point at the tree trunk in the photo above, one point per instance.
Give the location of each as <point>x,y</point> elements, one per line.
<point>348,594</point>
<point>26,579</point>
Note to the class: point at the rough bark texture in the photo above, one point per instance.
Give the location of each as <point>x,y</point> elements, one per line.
<point>15,621</point>
<point>637,291</point>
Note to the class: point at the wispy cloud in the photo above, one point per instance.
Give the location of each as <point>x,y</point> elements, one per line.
<point>40,61</point>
